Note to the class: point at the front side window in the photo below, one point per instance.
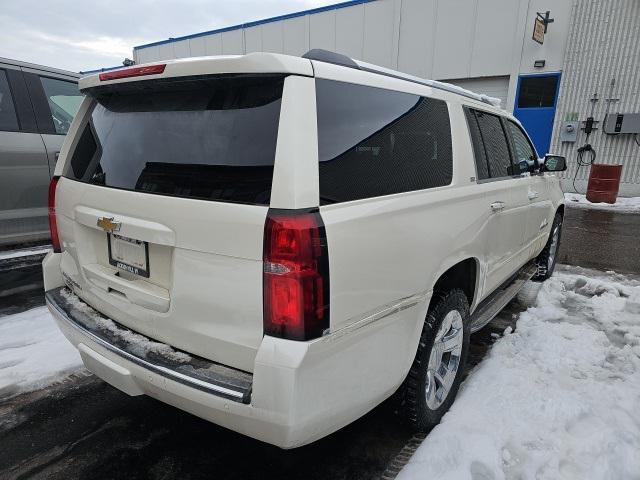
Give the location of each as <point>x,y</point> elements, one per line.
<point>491,150</point>
<point>8,119</point>
<point>374,142</point>
<point>522,148</point>
<point>64,100</point>
<point>210,139</point>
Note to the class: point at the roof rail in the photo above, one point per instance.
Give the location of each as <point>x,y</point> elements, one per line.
<point>330,57</point>
<point>35,66</point>
<point>344,61</point>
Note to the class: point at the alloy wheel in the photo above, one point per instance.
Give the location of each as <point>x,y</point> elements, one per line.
<point>444,360</point>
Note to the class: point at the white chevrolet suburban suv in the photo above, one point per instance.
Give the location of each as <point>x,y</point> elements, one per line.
<point>277,244</point>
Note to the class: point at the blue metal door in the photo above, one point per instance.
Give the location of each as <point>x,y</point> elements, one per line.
<point>535,107</point>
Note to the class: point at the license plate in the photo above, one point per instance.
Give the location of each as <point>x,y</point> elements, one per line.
<point>129,254</point>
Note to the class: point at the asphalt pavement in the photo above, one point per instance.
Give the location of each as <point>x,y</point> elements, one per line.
<point>601,239</point>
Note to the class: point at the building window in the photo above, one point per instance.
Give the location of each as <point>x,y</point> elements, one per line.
<point>537,92</point>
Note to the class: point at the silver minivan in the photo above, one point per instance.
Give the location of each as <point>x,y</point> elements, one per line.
<point>37,106</point>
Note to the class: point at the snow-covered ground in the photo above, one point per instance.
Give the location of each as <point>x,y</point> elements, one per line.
<point>33,352</point>
<point>622,205</point>
<point>559,398</point>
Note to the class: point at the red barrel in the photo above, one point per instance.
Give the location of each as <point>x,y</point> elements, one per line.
<point>604,183</point>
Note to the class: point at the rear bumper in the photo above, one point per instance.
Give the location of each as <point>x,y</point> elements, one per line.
<point>298,392</point>
<point>136,376</point>
<point>194,372</point>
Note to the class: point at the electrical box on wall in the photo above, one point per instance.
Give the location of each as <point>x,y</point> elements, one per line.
<point>569,132</point>
<point>615,123</point>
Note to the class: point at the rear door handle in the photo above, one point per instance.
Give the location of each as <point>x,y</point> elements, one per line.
<point>532,194</point>
<point>497,206</point>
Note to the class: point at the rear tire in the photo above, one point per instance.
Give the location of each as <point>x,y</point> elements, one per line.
<point>435,376</point>
<point>546,261</point>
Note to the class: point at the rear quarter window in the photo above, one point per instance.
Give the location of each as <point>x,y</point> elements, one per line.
<point>374,142</point>
<point>211,138</point>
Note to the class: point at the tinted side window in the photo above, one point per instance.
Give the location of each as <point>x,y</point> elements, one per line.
<point>480,155</point>
<point>8,119</point>
<point>496,150</point>
<point>523,151</point>
<point>374,142</point>
<point>537,92</point>
<point>495,144</point>
<point>64,99</point>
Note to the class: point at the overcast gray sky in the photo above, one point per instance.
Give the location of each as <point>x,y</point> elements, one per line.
<point>83,35</point>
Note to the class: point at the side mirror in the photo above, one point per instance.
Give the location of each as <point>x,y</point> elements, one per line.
<point>555,163</point>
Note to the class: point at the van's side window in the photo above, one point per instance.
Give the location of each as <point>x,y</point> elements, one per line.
<point>374,142</point>
<point>64,100</point>
<point>8,119</point>
<point>491,150</point>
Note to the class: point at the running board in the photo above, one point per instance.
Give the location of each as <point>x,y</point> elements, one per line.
<point>495,302</point>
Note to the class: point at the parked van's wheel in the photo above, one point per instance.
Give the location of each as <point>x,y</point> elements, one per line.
<point>546,261</point>
<point>436,373</point>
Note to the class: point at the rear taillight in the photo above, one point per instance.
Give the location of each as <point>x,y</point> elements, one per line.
<point>296,275</point>
<point>133,72</point>
<point>53,221</point>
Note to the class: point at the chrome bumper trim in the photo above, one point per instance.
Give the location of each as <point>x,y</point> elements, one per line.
<point>221,386</point>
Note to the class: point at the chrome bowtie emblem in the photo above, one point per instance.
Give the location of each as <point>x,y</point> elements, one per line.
<point>108,225</point>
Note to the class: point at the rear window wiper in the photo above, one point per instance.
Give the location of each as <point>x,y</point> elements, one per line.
<point>98,178</point>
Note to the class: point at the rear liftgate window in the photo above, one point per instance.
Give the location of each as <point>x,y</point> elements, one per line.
<point>211,138</point>
<point>374,142</point>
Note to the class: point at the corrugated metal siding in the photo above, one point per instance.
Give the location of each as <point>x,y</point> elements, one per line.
<point>431,38</point>
<point>604,43</point>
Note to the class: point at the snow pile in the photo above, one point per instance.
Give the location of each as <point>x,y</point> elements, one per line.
<point>558,398</point>
<point>33,352</point>
<point>622,205</point>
